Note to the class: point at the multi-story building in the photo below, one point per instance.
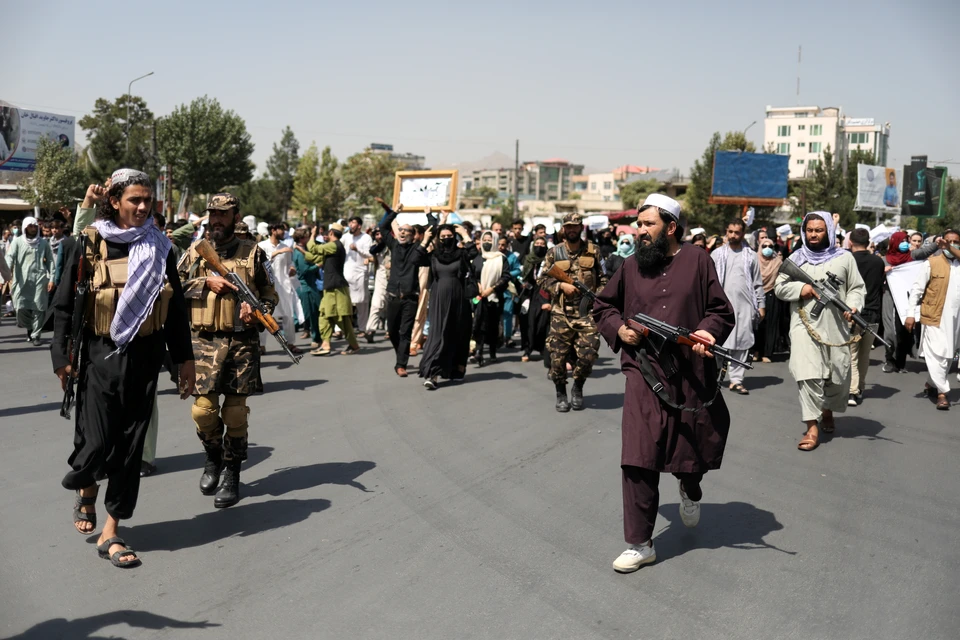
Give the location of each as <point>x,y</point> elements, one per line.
<point>804,133</point>
<point>410,161</point>
<point>540,180</point>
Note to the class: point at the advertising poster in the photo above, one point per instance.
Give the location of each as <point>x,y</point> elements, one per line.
<point>877,189</point>
<point>20,131</point>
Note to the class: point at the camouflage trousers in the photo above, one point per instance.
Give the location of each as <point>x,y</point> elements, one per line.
<point>227,363</point>
<point>578,336</point>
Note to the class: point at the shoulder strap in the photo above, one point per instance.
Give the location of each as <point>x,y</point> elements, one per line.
<point>560,252</point>
<point>646,369</point>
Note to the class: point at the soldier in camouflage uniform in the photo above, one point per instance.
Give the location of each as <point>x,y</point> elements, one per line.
<point>572,328</point>
<point>227,347</point>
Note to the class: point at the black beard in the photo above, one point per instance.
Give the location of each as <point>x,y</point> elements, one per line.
<point>819,246</point>
<point>572,238</point>
<point>651,257</point>
<point>224,234</point>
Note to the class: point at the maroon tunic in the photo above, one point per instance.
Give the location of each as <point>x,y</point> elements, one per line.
<point>687,293</point>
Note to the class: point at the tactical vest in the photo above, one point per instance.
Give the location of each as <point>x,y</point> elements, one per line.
<point>582,268</point>
<point>107,280</point>
<point>210,312</point>
<point>931,308</point>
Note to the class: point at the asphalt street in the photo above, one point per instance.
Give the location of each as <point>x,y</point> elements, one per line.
<point>373,508</point>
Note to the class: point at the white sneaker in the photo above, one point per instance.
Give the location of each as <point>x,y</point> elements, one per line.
<point>635,557</point>
<point>430,383</point>
<point>689,510</point>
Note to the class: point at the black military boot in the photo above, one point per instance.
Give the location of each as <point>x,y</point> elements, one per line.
<point>211,469</point>
<point>562,404</point>
<point>576,396</point>
<point>228,493</point>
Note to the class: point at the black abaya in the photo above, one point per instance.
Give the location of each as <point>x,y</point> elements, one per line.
<point>449,315</point>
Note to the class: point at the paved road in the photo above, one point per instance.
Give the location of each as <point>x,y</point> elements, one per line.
<point>375,509</point>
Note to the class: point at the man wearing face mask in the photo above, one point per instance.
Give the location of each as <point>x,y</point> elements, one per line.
<point>31,261</point>
<point>820,347</point>
<point>570,330</point>
<point>935,301</point>
<point>739,273</point>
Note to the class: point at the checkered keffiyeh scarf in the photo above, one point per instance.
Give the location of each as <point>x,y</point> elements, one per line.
<point>145,272</point>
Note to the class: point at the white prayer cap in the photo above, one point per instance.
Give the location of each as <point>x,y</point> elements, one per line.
<point>697,231</point>
<point>860,225</point>
<point>668,204</point>
<point>251,222</point>
<point>263,228</point>
<point>783,230</point>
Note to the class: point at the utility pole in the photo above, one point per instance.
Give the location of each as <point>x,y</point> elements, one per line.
<point>129,99</point>
<point>516,179</point>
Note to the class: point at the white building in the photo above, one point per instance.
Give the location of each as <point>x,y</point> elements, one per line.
<point>803,133</point>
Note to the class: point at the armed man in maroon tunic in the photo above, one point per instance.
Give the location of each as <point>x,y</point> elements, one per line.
<point>681,428</point>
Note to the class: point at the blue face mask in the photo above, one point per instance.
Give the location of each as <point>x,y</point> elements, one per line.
<point>768,252</point>
<point>904,247</point>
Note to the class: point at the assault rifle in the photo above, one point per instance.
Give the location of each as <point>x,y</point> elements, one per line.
<point>828,292</point>
<point>245,295</point>
<point>77,330</point>
<point>652,328</point>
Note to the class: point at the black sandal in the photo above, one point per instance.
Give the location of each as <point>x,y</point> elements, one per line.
<point>738,388</point>
<point>80,516</point>
<point>103,550</point>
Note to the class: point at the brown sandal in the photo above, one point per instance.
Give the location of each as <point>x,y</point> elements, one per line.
<point>809,442</point>
<point>942,403</point>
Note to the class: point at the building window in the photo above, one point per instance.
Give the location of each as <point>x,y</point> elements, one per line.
<point>783,148</point>
<point>593,186</point>
<point>815,147</point>
<point>800,161</point>
<point>813,164</point>
<point>607,185</point>
<point>801,145</point>
<point>783,130</point>
<point>801,127</point>
<point>859,137</point>
<point>801,114</point>
<point>816,129</point>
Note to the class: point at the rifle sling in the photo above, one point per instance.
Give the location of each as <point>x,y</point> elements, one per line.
<point>648,373</point>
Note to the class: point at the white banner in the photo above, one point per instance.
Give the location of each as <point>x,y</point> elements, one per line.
<point>877,189</point>
<point>899,281</point>
<point>20,131</point>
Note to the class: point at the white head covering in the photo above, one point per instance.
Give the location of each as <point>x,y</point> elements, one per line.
<point>251,222</point>
<point>263,228</point>
<point>667,204</point>
<point>492,265</point>
<point>30,220</point>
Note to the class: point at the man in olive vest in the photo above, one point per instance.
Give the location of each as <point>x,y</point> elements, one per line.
<point>336,307</point>
<point>935,301</point>
<point>226,344</point>
<point>572,329</point>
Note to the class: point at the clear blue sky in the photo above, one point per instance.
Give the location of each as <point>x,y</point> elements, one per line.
<point>601,84</point>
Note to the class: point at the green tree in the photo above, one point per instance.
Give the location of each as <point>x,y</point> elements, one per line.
<point>633,193</point>
<point>700,212</point>
<point>282,167</point>
<point>258,198</point>
<point>107,130</point>
<point>305,180</point>
<point>329,188</point>
<point>206,147</point>
<point>368,175</point>
<point>58,179</point>
<point>489,194</point>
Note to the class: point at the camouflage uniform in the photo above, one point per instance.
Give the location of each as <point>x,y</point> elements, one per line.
<point>227,350</point>
<point>571,331</point>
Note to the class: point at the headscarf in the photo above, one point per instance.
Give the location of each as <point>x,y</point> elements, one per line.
<point>805,254</point>
<point>626,245</point>
<point>769,267</point>
<point>896,257</point>
<point>492,266</point>
<point>30,220</point>
<point>444,255</point>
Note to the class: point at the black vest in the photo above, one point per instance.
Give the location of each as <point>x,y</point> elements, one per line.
<point>333,269</point>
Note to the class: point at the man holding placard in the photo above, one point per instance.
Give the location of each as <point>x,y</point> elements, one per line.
<point>935,301</point>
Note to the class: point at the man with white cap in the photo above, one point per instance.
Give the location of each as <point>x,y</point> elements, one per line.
<point>674,416</point>
<point>30,260</point>
<point>820,347</point>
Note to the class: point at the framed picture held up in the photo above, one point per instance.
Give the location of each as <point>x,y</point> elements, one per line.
<point>416,190</point>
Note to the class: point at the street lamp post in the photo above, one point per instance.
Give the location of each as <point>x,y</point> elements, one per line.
<point>745,134</point>
<point>129,97</point>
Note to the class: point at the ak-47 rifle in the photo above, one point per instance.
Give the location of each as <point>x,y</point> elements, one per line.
<point>245,295</point>
<point>77,333</point>
<point>652,328</point>
<point>828,292</point>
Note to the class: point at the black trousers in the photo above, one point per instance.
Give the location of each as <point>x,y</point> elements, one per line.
<point>115,399</point>
<point>641,500</point>
<point>401,314</point>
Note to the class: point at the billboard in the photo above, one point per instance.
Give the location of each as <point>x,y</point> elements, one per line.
<point>749,178</point>
<point>922,187</point>
<point>877,189</point>
<point>21,129</point>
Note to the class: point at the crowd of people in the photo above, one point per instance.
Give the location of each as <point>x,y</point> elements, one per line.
<point>453,294</point>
